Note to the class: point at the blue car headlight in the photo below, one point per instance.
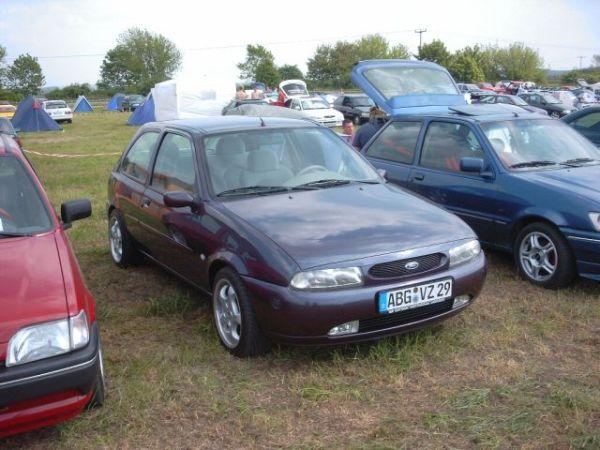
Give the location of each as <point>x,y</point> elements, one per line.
<point>327,278</point>
<point>48,339</point>
<point>595,218</point>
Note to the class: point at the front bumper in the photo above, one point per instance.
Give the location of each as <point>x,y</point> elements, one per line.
<point>48,391</point>
<point>305,318</point>
<point>586,248</point>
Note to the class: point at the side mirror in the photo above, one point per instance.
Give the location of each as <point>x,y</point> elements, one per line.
<point>179,199</point>
<point>473,165</point>
<point>382,173</point>
<point>74,210</point>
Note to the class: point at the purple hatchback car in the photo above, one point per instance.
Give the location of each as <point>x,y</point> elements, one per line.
<point>294,235</point>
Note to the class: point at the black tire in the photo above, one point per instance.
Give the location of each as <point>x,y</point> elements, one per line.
<point>129,256</point>
<point>70,121</point>
<point>561,257</point>
<point>356,120</point>
<point>99,391</point>
<point>252,342</point>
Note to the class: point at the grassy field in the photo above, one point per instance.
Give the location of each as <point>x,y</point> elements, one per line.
<point>521,368</point>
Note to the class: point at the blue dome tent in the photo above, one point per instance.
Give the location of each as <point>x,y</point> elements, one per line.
<point>30,116</point>
<point>82,105</point>
<point>144,113</point>
<point>115,102</point>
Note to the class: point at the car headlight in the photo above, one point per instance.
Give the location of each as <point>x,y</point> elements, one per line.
<point>464,252</point>
<point>327,278</point>
<point>595,218</point>
<point>48,339</point>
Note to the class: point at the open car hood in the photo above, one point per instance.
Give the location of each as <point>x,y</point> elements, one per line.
<point>407,87</point>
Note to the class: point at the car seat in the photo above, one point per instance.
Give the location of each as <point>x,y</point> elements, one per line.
<point>229,163</point>
<point>264,170</point>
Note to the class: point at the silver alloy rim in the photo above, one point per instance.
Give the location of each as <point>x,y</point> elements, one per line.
<point>228,316</point>
<point>102,376</point>
<point>538,256</point>
<point>116,240</point>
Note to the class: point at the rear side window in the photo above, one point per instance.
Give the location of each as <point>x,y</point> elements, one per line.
<point>589,121</point>
<point>136,162</point>
<point>174,168</point>
<point>445,143</point>
<point>397,142</point>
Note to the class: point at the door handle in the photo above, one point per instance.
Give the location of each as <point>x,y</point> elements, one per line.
<point>145,203</point>
<point>419,177</point>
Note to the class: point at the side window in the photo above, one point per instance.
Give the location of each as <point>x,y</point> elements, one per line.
<point>137,160</point>
<point>502,99</point>
<point>347,101</point>
<point>589,121</point>
<point>174,168</point>
<point>295,104</point>
<point>397,142</point>
<point>445,143</point>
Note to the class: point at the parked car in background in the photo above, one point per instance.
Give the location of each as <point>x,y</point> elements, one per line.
<point>6,128</point>
<point>586,98</point>
<point>58,110</point>
<point>316,109</point>
<point>255,212</point>
<point>131,102</point>
<point>567,97</point>
<point>235,103</point>
<point>355,107</point>
<point>546,101</point>
<point>587,122</point>
<point>526,184</point>
<point>7,111</point>
<point>512,100</point>
<point>50,354</point>
<point>486,86</point>
<point>327,96</point>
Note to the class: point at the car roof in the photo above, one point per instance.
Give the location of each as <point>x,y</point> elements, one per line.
<point>479,113</point>
<point>217,124</point>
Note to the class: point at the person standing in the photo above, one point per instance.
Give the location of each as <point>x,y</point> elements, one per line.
<point>240,94</point>
<point>257,95</point>
<point>368,130</point>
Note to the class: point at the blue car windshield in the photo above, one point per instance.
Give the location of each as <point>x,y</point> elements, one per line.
<point>21,208</point>
<point>394,81</point>
<point>518,142</point>
<point>282,158</point>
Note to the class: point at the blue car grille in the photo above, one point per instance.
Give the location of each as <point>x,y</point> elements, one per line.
<point>403,317</point>
<point>399,268</point>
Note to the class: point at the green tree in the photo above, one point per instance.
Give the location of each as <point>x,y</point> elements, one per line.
<point>2,65</point>
<point>256,55</point>
<point>139,61</point>
<point>266,72</point>
<point>465,69</point>
<point>519,62</point>
<point>436,52</point>
<point>24,76</point>
<point>596,61</point>
<point>290,72</point>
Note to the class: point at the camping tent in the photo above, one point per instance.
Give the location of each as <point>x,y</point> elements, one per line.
<point>30,116</point>
<point>82,105</point>
<point>143,113</point>
<point>115,102</point>
<point>188,98</point>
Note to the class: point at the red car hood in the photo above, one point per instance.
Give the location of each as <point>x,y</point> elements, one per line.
<point>31,284</point>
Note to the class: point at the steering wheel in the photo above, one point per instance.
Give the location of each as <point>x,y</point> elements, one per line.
<point>313,168</point>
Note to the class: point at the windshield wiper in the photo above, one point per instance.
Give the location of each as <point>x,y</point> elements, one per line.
<point>9,234</point>
<point>326,182</point>
<point>533,164</point>
<point>578,160</point>
<point>262,190</point>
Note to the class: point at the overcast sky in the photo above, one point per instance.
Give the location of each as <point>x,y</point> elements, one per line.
<point>70,37</point>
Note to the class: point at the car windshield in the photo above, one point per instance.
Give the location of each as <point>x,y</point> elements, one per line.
<point>6,126</point>
<point>314,104</point>
<point>21,208</point>
<point>295,89</point>
<point>275,160</point>
<point>362,101</point>
<point>531,142</point>
<point>136,98</point>
<point>550,99</point>
<point>55,105</point>
<point>394,81</point>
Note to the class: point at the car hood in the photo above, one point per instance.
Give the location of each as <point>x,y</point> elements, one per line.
<point>323,114</point>
<point>31,284</point>
<point>344,223</point>
<point>582,181</point>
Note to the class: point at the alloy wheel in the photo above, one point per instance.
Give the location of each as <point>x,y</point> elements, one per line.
<point>228,316</point>
<point>538,256</point>
<point>116,240</point>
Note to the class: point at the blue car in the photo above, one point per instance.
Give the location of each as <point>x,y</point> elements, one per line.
<point>525,183</point>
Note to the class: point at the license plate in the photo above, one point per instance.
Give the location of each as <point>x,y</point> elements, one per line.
<point>414,296</point>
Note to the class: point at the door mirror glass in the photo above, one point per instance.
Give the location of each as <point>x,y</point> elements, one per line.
<point>179,199</point>
<point>75,210</point>
<point>473,165</point>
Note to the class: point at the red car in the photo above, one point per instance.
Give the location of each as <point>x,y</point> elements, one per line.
<point>50,356</point>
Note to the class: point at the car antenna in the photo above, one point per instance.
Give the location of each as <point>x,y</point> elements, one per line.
<point>262,122</point>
